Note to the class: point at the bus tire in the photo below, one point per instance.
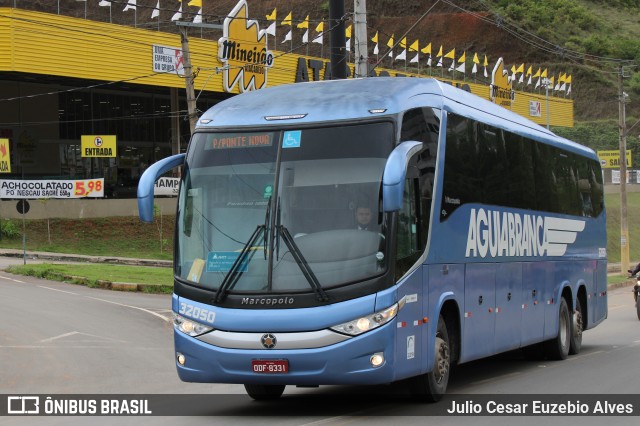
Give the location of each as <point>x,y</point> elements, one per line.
<point>264,392</point>
<point>577,325</point>
<point>558,347</point>
<point>432,386</point>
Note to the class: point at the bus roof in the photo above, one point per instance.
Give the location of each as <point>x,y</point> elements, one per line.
<point>351,99</point>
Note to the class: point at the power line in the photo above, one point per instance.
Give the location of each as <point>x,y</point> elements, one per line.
<point>169,114</point>
<point>75,89</point>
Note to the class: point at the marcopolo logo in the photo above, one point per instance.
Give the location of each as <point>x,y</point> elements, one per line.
<point>243,49</point>
<point>497,234</point>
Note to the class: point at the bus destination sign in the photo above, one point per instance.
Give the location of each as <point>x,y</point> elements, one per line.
<point>231,141</point>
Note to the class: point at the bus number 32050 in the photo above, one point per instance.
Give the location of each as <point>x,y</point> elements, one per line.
<point>197,313</point>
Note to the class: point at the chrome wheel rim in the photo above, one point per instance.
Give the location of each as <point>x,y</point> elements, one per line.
<point>442,360</point>
<point>577,324</point>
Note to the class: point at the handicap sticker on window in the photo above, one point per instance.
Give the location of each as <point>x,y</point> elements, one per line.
<point>222,261</point>
<point>291,139</point>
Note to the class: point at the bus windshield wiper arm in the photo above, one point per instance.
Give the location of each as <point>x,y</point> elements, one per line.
<point>303,264</point>
<point>235,272</point>
<point>266,228</point>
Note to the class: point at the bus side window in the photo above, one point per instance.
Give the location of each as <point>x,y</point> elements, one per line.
<point>413,221</point>
<point>420,124</point>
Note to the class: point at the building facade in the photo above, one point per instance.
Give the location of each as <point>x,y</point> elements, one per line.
<point>64,77</point>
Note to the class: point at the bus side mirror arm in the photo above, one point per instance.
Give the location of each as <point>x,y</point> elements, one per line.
<point>147,183</point>
<point>395,172</point>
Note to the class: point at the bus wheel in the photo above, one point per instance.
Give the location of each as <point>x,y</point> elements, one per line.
<point>576,329</point>
<point>432,386</point>
<point>264,392</point>
<point>558,347</point>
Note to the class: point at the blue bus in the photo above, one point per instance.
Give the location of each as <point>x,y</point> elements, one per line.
<point>486,233</point>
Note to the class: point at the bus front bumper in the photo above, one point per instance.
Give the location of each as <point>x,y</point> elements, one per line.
<point>344,363</point>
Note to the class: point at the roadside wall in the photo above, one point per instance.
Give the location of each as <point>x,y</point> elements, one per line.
<point>615,189</point>
<point>81,208</point>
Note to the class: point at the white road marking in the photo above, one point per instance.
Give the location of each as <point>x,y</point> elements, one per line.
<point>164,318</point>
<point>11,279</point>
<point>73,333</point>
<point>132,307</point>
<point>57,289</point>
<point>51,339</point>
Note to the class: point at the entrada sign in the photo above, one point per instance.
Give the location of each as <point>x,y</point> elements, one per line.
<point>92,146</point>
<point>243,50</point>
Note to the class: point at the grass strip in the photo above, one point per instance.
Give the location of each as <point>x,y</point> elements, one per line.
<point>148,279</point>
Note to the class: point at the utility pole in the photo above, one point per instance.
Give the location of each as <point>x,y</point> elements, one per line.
<point>188,69</point>
<point>188,78</point>
<point>546,82</point>
<point>360,30</point>
<point>624,229</point>
<point>337,39</point>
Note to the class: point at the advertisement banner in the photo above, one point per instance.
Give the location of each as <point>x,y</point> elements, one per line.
<point>35,189</point>
<point>167,187</point>
<point>168,60</point>
<point>611,159</point>
<point>5,157</point>
<point>615,177</point>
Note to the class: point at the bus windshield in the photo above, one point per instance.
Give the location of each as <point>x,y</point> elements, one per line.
<point>283,211</point>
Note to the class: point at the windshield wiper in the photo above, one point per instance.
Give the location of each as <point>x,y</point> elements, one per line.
<point>235,272</point>
<point>303,264</point>
<point>266,228</point>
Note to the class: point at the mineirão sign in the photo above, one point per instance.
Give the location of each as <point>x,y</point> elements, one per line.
<point>243,50</point>
<point>500,90</point>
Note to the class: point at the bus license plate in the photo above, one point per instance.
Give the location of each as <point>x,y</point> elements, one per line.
<point>270,366</point>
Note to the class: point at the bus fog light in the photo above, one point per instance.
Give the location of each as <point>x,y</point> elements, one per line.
<point>181,359</point>
<point>377,359</point>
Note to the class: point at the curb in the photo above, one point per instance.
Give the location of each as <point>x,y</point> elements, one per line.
<point>87,259</point>
<point>627,283</point>
<point>110,285</point>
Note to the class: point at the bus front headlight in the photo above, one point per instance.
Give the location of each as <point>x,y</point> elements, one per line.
<point>369,322</point>
<point>190,327</point>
